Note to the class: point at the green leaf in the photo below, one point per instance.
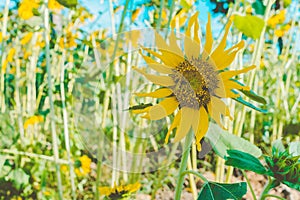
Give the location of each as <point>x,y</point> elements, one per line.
<point>140,106</point>
<point>222,141</point>
<point>184,4</point>
<point>259,7</point>
<point>250,25</point>
<point>252,95</point>
<point>221,191</point>
<point>286,3</point>
<point>245,161</point>
<point>294,148</point>
<point>68,3</point>
<point>250,105</point>
<point>292,185</point>
<point>18,177</point>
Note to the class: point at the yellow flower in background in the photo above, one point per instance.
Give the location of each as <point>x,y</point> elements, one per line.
<point>10,55</point>
<point>282,30</point>
<point>26,7</point>
<point>39,42</point>
<point>33,120</point>
<point>119,192</point>
<point>195,81</point>
<point>26,38</point>
<point>54,5</point>
<point>180,18</point>
<point>132,37</point>
<point>68,41</point>
<point>83,166</point>
<point>277,19</point>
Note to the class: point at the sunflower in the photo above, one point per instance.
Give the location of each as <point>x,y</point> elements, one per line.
<point>195,81</point>
<point>119,192</point>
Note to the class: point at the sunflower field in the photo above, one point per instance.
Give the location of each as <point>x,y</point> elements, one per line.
<point>139,99</point>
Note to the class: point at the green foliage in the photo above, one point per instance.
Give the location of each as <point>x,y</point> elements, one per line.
<point>249,25</point>
<point>259,7</point>
<point>68,3</point>
<point>250,105</point>
<point>282,165</point>
<point>255,97</point>
<point>221,191</point>
<point>222,141</point>
<point>245,161</point>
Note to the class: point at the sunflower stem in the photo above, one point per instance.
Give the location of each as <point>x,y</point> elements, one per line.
<point>2,55</point>
<point>183,164</point>
<point>249,184</point>
<point>51,102</point>
<point>271,183</point>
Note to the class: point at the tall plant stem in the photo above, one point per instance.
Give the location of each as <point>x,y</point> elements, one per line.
<point>117,41</point>
<point>183,164</point>
<point>3,30</point>
<point>66,128</point>
<point>50,95</point>
<point>249,184</point>
<point>271,183</point>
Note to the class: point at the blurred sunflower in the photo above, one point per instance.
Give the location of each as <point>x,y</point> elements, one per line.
<point>27,7</point>
<point>119,192</point>
<point>195,82</point>
<point>83,165</point>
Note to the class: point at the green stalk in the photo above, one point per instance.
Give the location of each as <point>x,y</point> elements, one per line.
<point>275,196</point>
<point>50,95</point>
<point>271,183</point>
<point>161,7</point>
<point>170,17</point>
<point>66,127</point>
<point>191,177</point>
<point>101,142</point>
<point>183,164</point>
<point>249,184</point>
<point>117,42</point>
<point>196,174</point>
<point>4,30</point>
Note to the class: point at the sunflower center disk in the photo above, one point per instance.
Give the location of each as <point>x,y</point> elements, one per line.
<point>195,82</point>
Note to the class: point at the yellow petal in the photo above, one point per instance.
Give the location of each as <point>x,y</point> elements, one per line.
<point>215,114</point>
<point>229,74</point>
<point>174,46</point>
<point>221,106</point>
<point>236,47</point>
<point>168,58</point>
<point>223,92</point>
<point>202,126</point>
<point>194,20</point>
<point>161,43</point>
<point>175,124</point>
<point>159,93</point>
<point>185,123</point>
<point>192,47</point>
<point>233,85</point>
<point>226,59</point>
<point>159,80</point>
<point>161,68</point>
<point>220,49</point>
<point>195,122</point>
<point>163,109</point>
<point>209,38</point>
<point>141,110</point>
